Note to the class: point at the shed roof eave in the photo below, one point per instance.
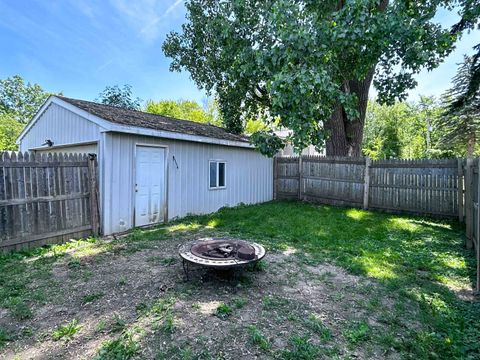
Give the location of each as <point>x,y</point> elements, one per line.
<point>177,136</point>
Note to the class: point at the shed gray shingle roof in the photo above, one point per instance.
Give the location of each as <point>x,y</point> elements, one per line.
<point>151,121</point>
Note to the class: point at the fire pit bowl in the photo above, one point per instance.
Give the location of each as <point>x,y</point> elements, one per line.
<point>220,253</point>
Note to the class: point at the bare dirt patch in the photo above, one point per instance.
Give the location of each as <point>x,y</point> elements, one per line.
<point>139,300</point>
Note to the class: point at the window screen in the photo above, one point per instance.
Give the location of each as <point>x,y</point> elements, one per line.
<point>221,174</point>
<point>216,174</point>
<point>213,174</point>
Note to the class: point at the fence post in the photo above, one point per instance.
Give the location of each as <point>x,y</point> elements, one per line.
<point>92,181</point>
<point>460,191</point>
<point>477,220</point>
<point>469,202</point>
<point>300,177</point>
<point>366,182</point>
<point>275,176</point>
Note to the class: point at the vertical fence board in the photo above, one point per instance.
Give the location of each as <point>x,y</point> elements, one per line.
<point>92,179</point>
<point>34,205</point>
<point>366,183</point>
<point>300,179</point>
<point>460,191</point>
<point>3,211</point>
<point>28,193</point>
<point>469,200</point>
<point>477,222</point>
<point>9,227</point>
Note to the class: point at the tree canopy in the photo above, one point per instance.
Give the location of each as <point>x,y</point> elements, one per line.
<point>119,97</point>
<point>309,64</point>
<point>20,100</point>
<point>470,12</point>
<point>185,110</point>
<point>191,110</point>
<point>406,130</point>
<point>10,128</point>
<point>460,120</point>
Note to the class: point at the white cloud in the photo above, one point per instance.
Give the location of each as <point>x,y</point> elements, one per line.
<point>104,65</point>
<point>147,16</point>
<point>84,7</point>
<point>172,7</point>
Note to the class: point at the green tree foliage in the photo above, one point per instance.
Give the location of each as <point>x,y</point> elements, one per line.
<point>254,125</point>
<point>10,128</point>
<point>184,110</point>
<point>119,97</point>
<point>308,63</point>
<point>20,100</point>
<point>191,110</point>
<point>470,12</point>
<point>381,139</point>
<point>405,131</point>
<point>460,120</point>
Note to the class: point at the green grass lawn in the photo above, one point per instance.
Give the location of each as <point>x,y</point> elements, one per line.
<point>420,262</point>
<point>420,259</point>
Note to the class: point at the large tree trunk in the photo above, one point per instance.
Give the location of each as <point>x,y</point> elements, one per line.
<point>346,135</point>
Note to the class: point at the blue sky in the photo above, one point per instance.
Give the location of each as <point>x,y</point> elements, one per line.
<point>80,46</point>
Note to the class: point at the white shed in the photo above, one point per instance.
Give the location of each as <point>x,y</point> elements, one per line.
<point>152,168</point>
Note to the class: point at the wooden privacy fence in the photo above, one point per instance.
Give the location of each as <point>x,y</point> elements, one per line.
<point>46,198</point>
<point>428,187</point>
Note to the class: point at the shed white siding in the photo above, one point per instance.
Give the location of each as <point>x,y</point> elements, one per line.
<point>74,149</point>
<point>248,178</point>
<point>62,126</point>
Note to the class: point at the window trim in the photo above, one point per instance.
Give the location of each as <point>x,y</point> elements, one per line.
<point>217,180</point>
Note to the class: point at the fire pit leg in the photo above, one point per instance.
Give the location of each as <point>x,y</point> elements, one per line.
<point>185,269</point>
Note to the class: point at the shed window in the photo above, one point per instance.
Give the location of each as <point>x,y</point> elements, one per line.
<point>217,174</point>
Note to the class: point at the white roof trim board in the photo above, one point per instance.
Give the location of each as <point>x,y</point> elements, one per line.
<point>108,126</point>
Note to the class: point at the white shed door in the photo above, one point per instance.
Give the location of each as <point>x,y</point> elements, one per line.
<point>150,199</point>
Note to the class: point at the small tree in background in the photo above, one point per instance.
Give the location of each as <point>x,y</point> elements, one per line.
<point>119,97</point>
<point>10,128</point>
<point>184,110</point>
<point>406,130</point>
<point>469,12</point>
<point>192,111</point>
<point>20,100</point>
<point>460,121</point>
<point>381,137</point>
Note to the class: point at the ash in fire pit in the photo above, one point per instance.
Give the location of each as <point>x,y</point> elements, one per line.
<point>220,253</point>
<point>223,249</point>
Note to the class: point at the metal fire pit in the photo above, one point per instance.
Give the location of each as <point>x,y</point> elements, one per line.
<point>221,254</point>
